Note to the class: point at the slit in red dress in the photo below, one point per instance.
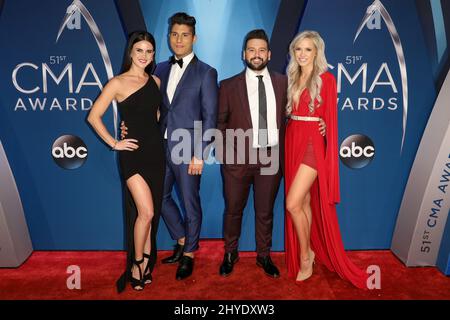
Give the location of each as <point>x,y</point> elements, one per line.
<point>309,158</point>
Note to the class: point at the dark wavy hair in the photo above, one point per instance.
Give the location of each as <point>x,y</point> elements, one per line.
<point>132,39</point>
<point>182,18</point>
<point>256,34</point>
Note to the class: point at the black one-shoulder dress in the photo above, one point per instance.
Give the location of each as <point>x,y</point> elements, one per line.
<point>139,111</point>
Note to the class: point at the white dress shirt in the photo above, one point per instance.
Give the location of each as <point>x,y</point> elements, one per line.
<point>253,101</point>
<point>174,78</point>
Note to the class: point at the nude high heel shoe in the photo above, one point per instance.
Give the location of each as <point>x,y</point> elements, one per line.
<point>306,267</point>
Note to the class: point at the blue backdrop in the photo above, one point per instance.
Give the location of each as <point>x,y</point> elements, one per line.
<point>82,208</point>
<point>65,209</point>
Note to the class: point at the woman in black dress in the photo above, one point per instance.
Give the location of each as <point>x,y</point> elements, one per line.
<point>141,155</point>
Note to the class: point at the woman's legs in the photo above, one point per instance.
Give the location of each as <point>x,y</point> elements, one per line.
<point>298,205</point>
<point>142,197</point>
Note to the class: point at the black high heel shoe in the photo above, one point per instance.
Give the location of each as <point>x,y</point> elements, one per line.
<point>147,276</point>
<point>137,284</point>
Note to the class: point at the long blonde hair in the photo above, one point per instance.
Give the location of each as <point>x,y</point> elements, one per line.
<point>314,83</point>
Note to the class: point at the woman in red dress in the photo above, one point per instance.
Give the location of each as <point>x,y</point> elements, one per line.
<point>312,170</point>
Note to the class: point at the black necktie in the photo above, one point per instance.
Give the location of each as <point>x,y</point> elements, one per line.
<point>173,60</point>
<point>262,130</point>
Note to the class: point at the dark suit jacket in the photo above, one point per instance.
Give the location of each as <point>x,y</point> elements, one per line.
<point>195,99</point>
<point>234,113</point>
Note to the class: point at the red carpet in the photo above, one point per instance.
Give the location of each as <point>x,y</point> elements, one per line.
<point>43,276</point>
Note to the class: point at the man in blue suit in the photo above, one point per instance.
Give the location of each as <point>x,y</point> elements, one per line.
<point>190,99</point>
<point>190,93</point>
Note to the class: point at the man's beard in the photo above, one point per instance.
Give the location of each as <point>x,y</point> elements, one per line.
<point>256,68</point>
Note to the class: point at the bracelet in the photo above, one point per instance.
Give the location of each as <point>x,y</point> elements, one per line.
<point>114,146</point>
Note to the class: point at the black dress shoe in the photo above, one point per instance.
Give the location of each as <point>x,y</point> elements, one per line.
<point>269,268</point>
<point>229,259</point>
<point>176,256</point>
<point>185,268</point>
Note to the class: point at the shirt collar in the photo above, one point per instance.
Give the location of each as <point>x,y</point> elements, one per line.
<point>252,74</point>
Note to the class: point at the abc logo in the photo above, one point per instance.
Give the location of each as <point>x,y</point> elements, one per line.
<point>69,152</point>
<point>357,151</point>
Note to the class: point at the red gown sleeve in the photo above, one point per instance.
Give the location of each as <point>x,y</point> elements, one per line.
<point>329,96</point>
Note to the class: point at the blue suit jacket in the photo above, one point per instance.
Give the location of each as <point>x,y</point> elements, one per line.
<point>195,99</point>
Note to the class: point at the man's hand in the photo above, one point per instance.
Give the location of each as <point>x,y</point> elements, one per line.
<point>195,167</point>
<point>322,127</point>
<point>123,130</point>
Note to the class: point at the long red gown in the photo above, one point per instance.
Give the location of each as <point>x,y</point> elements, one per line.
<point>326,239</point>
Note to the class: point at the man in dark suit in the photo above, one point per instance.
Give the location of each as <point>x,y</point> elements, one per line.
<point>254,101</point>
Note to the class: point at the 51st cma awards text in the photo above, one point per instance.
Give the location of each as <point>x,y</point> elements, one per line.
<point>57,74</point>
<point>47,74</point>
<point>370,101</point>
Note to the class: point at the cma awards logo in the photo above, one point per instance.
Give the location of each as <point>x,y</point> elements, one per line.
<point>69,152</point>
<point>49,71</point>
<point>378,91</point>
